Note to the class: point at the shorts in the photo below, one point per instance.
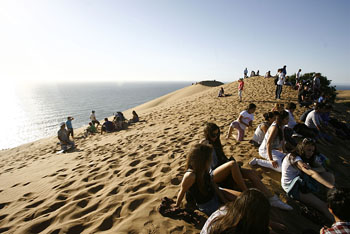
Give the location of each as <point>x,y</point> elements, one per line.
<point>302,184</point>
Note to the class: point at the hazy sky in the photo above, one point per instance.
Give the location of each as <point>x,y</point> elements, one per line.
<point>171,40</point>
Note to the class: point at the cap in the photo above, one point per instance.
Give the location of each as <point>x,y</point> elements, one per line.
<point>61,124</point>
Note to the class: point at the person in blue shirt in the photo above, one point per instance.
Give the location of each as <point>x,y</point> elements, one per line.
<point>107,126</point>
<point>69,126</point>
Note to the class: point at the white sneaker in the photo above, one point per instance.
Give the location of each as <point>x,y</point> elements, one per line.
<point>253,162</point>
<point>276,202</point>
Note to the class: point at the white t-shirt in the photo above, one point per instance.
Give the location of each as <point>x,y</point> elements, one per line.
<point>246,118</point>
<point>289,171</point>
<point>219,212</point>
<point>298,75</point>
<point>276,144</point>
<point>313,119</point>
<point>281,79</point>
<point>92,117</point>
<point>259,134</point>
<point>291,122</point>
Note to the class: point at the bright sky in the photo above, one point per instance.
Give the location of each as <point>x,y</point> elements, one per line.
<point>168,40</point>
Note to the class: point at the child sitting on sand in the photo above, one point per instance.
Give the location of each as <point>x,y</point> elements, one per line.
<point>302,176</point>
<point>261,130</point>
<point>245,119</point>
<point>272,147</point>
<point>240,88</point>
<point>198,182</point>
<point>338,204</point>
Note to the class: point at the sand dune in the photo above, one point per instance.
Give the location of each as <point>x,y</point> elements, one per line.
<point>114,182</point>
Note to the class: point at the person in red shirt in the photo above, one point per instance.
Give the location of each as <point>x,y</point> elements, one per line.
<point>240,88</point>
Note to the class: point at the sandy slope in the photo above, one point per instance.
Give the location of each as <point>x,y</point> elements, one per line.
<point>114,182</point>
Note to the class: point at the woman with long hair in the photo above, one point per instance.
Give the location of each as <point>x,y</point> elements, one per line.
<point>249,214</point>
<point>225,171</point>
<point>302,176</point>
<point>198,182</point>
<point>273,145</point>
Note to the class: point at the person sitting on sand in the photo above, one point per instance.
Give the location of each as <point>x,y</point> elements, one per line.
<point>314,122</point>
<point>221,92</point>
<point>198,182</point>
<point>338,200</point>
<point>69,126</point>
<point>135,117</point>
<point>93,118</point>
<point>250,213</point>
<point>63,136</point>
<point>91,129</point>
<point>268,74</point>
<point>302,176</point>
<point>304,97</point>
<point>225,171</point>
<point>107,126</point>
<point>272,147</point>
<point>252,73</point>
<point>245,119</point>
<point>261,130</point>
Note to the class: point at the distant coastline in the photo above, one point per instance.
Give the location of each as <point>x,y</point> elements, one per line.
<point>342,87</point>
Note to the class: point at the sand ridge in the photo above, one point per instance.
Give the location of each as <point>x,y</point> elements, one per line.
<point>114,182</point>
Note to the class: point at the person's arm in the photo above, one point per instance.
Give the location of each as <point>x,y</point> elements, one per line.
<point>264,128</point>
<point>313,174</point>
<point>273,135</point>
<point>250,123</point>
<point>187,182</point>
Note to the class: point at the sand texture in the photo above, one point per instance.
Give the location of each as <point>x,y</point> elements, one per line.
<point>113,182</point>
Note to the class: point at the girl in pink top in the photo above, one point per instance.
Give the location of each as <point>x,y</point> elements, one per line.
<point>240,88</point>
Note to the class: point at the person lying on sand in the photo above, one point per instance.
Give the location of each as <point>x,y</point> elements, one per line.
<point>302,176</point>
<point>225,171</point>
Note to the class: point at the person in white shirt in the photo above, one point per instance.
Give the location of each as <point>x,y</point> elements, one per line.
<point>280,82</point>
<point>273,145</point>
<point>93,118</point>
<point>245,119</point>
<point>302,176</point>
<point>297,76</point>
<point>261,130</point>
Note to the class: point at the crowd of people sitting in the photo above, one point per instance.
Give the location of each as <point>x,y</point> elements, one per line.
<point>215,183</point>
<point>119,123</point>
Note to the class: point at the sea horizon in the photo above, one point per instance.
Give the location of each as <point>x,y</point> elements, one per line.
<point>34,112</point>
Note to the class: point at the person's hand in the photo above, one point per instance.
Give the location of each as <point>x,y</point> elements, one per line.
<point>274,163</point>
<point>306,166</point>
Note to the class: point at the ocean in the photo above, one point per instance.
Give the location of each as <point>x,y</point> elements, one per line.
<point>32,112</point>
